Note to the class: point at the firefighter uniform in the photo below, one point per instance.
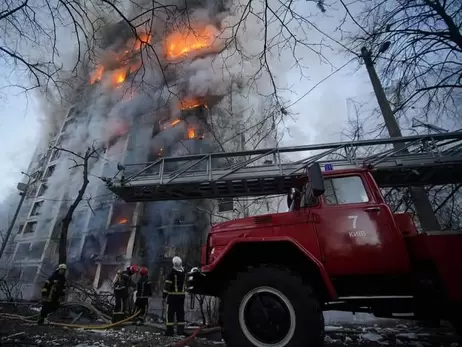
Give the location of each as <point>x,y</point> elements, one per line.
<point>53,292</point>
<point>143,292</point>
<point>122,282</point>
<point>174,294</point>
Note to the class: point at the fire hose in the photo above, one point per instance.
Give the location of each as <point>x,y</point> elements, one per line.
<point>77,326</point>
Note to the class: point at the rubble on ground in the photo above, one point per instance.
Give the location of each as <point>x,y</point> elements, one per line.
<point>352,332</point>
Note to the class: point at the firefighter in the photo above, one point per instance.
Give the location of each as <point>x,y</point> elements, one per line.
<point>53,292</point>
<point>122,282</point>
<point>143,292</point>
<point>174,297</point>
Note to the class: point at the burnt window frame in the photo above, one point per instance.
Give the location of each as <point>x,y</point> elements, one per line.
<point>26,227</point>
<point>38,203</point>
<point>51,168</point>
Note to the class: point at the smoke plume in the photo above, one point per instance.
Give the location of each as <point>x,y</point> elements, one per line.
<point>173,86</point>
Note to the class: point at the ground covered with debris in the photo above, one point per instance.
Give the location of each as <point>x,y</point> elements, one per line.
<point>346,330</point>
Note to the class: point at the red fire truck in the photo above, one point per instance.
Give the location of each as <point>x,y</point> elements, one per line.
<point>338,247</point>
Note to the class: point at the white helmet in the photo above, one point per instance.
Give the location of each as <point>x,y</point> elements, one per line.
<point>62,267</point>
<point>177,263</point>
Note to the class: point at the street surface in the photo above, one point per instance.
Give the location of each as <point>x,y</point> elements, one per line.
<point>342,329</point>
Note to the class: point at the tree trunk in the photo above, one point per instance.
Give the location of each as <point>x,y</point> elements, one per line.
<point>68,218</point>
<point>63,240</point>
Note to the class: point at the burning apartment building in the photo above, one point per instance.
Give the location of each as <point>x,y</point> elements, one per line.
<point>151,92</point>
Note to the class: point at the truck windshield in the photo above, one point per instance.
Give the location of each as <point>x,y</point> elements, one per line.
<point>345,190</point>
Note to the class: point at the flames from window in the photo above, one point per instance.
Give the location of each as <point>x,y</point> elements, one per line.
<point>191,133</point>
<point>124,62</point>
<point>179,44</point>
<point>123,221</point>
<point>191,103</point>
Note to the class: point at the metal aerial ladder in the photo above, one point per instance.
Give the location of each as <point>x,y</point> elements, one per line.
<point>421,160</point>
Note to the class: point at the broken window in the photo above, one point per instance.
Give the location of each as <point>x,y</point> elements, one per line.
<point>36,250</point>
<point>345,190</point>
<point>50,171</point>
<point>78,222</point>
<point>107,275</point>
<point>226,204</point>
<point>31,190</point>
<point>116,243</point>
<point>30,228</point>
<point>36,208</point>
<point>20,227</point>
<point>28,274</point>
<point>98,219</point>
<point>22,251</point>
<point>15,274</point>
<point>42,190</point>
<point>91,247</point>
<point>73,249</point>
<point>122,213</point>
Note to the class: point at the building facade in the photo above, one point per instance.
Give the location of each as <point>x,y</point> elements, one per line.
<point>127,126</point>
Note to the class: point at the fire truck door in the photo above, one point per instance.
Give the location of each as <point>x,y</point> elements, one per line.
<point>354,232</point>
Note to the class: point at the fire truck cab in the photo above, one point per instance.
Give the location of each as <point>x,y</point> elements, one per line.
<point>339,247</point>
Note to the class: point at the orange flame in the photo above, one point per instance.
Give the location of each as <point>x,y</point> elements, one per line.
<point>119,76</point>
<point>179,44</point>
<point>97,75</point>
<point>190,103</point>
<point>191,133</point>
<point>142,40</point>
<point>172,123</point>
<point>123,221</point>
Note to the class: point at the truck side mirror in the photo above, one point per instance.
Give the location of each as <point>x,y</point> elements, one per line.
<point>316,179</point>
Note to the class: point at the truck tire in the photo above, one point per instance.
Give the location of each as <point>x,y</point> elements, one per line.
<point>271,307</point>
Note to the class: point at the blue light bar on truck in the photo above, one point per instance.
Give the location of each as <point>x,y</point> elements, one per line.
<point>328,167</point>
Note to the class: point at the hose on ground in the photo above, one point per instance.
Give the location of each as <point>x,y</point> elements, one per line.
<point>77,326</point>
<point>96,327</point>
<point>182,343</point>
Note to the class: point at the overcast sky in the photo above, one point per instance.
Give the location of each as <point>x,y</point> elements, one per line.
<point>19,130</point>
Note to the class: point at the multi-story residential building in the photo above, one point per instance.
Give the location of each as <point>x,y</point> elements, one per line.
<point>107,234</point>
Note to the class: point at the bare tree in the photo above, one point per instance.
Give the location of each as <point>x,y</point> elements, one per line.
<point>80,161</point>
<point>33,35</point>
<point>417,46</point>
<point>446,200</point>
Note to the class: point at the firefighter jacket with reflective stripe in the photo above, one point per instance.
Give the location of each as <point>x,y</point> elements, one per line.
<point>122,281</point>
<point>143,288</point>
<point>54,286</point>
<point>175,283</point>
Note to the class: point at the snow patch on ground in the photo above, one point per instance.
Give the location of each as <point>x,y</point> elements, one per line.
<point>371,336</point>
<point>409,336</point>
<point>338,317</point>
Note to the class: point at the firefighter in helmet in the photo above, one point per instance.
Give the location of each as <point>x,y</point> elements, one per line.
<point>122,283</point>
<point>143,292</point>
<point>174,295</point>
<point>53,292</point>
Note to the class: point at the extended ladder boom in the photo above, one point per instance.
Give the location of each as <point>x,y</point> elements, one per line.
<point>419,160</point>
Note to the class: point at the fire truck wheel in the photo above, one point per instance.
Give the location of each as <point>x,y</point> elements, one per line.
<point>270,307</point>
